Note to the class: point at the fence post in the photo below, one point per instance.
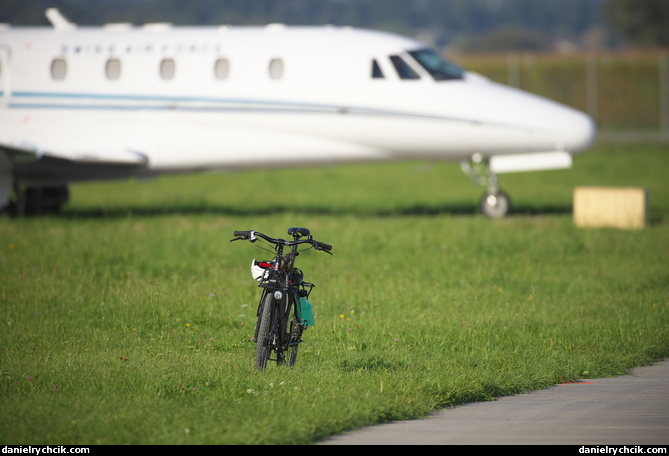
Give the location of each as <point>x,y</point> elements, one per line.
<point>591,85</point>
<point>513,70</point>
<point>664,95</point>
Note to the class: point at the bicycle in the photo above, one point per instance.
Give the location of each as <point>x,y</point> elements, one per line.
<point>283,290</point>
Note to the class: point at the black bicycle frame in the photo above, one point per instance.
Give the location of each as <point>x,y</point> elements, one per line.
<point>282,279</point>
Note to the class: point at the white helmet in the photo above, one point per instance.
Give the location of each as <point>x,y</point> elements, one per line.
<point>259,270</point>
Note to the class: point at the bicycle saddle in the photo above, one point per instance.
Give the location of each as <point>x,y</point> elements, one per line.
<point>298,231</point>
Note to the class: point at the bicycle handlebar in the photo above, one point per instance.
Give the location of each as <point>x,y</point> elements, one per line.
<point>250,235</point>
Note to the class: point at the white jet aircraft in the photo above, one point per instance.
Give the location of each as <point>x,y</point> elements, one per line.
<point>88,103</point>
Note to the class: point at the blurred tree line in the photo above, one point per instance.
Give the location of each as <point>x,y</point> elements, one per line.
<point>643,23</point>
<point>464,25</point>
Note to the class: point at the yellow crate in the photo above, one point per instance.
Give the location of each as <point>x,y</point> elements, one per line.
<point>614,207</point>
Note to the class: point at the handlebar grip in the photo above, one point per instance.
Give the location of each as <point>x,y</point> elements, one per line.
<point>242,233</point>
<point>323,245</point>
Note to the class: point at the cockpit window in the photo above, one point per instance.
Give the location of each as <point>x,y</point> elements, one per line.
<point>440,68</point>
<point>403,69</point>
<point>376,70</point>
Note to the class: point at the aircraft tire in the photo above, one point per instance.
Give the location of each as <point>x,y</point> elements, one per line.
<point>495,205</point>
<point>45,200</point>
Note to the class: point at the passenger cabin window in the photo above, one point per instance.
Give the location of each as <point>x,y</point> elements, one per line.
<point>167,69</point>
<point>276,69</point>
<point>222,69</point>
<point>376,70</point>
<point>440,68</point>
<point>404,71</point>
<point>58,69</point>
<point>113,69</point>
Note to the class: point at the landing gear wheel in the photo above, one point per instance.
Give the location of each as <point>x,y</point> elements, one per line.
<point>495,205</point>
<point>40,200</point>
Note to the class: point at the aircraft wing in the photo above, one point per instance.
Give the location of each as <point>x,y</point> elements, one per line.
<point>30,164</point>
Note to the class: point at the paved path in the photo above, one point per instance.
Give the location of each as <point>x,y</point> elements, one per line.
<point>628,410</point>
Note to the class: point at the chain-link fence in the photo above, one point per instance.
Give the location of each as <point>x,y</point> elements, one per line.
<point>627,93</point>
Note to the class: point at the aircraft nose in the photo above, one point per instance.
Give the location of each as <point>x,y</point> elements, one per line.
<point>543,123</point>
<point>553,125</point>
<point>576,130</point>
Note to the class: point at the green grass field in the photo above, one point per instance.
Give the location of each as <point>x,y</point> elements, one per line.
<point>127,319</point>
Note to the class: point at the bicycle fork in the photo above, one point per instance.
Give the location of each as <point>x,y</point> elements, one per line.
<point>279,318</point>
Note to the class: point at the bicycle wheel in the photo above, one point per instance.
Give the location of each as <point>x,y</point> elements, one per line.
<point>279,323</point>
<point>295,339</point>
<point>263,347</point>
<point>292,357</point>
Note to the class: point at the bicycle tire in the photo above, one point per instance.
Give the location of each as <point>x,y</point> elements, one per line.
<point>263,348</point>
<point>292,356</point>
<point>295,336</point>
<point>279,323</point>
